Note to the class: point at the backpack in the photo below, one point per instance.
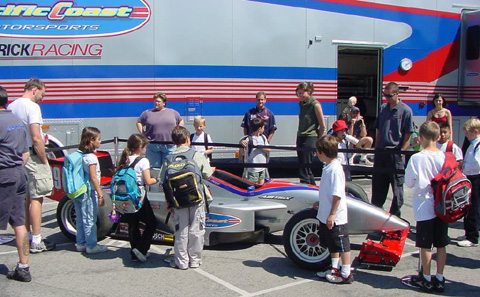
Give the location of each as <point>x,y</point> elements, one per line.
<point>73,181</point>
<point>124,188</point>
<point>451,190</point>
<point>183,183</point>
<point>205,143</point>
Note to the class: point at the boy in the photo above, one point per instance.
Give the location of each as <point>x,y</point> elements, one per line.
<point>339,129</point>
<point>444,140</point>
<point>332,212</point>
<point>256,155</point>
<point>189,221</point>
<point>472,171</point>
<point>200,136</point>
<point>431,230</point>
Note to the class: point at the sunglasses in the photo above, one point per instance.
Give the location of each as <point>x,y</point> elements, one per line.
<point>389,95</point>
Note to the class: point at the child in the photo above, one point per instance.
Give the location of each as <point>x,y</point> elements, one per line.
<point>431,230</point>
<point>201,137</point>
<point>472,171</point>
<point>358,129</point>
<point>339,129</point>
<point>256,155</point>
<point>443,143</point>
<point>332,212</point>
<point>190,221</point>
<point>86,207</point>
<point>139,242</point>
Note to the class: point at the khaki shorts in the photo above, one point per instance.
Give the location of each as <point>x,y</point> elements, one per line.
<point>40,182</point>
<point>256,176</point>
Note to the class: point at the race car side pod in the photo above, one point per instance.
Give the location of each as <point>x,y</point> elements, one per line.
<point>386,253</point>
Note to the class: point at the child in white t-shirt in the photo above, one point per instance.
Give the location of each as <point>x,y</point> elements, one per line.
<point>139,241</point>
<point>200,136</point>
<point>332,212</point>
<point>445,144</point>
<point>431,230</point>
<point>256,155</point>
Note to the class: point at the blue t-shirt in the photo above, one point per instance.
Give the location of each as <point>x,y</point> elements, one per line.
<point>264,114</point>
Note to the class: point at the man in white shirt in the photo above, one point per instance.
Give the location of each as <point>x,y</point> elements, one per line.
<point>40,183</point>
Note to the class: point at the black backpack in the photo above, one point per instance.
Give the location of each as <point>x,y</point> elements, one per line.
<point>183,183</point>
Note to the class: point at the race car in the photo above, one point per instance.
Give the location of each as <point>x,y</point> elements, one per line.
<point>241,211</point>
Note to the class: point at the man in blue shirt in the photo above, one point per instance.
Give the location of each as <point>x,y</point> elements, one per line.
<point>260,111</point>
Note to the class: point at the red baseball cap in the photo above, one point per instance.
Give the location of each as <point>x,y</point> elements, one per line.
<point>339,125</point>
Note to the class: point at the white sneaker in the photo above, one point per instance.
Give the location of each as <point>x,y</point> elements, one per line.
<point>466,243</point>
<point>324,273</point>
<point>97,249</point>
<point>81,248</point>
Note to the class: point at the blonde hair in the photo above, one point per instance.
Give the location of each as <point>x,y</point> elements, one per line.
<point>352,101</point>
<point>198,120</point>
<point>430,130</point>
<point>471,125</point>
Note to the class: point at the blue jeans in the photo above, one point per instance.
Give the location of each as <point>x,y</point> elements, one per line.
<point>156,153</point>
<point>86,210</point>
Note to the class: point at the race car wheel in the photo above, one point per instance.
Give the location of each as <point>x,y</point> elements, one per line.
<point>302,243</point>
<point>356,191</point>
<point>66,218</point>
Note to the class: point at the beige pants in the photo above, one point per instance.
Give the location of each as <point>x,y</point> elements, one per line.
<point>189,232</point>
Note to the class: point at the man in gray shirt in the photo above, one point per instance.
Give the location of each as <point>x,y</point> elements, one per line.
<point>394,126</point>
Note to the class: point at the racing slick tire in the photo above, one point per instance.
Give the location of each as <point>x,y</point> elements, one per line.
<point>356,191</point>
<point>66,218</point>
<point>302,243</point>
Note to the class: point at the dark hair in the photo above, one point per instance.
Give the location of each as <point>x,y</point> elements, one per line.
<point>257,123</point>
<point>180,135</point>
<point>88,134</point>
<point>392,86</point>
<point>134,142</point>
<point>161,96</point>
<point>430,130</point>
<point>34,83</point>
<point>328,145</point>
<point>306,86</point>
<point>444,102</point>
<point>3,97</point>
<point>444,125</point>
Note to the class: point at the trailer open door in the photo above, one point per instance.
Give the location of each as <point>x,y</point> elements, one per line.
<point>469,66</point>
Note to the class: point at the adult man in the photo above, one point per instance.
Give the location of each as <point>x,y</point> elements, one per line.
<point>394,126</point>
<point>13,183</point>
<point>260,111</point>
<point>39,175</point>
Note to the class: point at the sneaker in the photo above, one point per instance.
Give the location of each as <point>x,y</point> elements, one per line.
<point>81,248</point>
<point>43,246</point>
<point>195,265</point>
<point>327,271</point>
<point>421,282</point>
<point>174,265</point>
<point>337,278</point>
<point>365,162</point>
<point>97,249</point>
<point>141,257</point>
<point>20,274</point>
<point>438,286</point>
<point>466,243</point>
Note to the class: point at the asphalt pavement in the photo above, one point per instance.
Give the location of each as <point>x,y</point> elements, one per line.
<point>227,270</point>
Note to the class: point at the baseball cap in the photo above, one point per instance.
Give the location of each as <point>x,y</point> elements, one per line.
<point>339,125</point>
<point>355,109</point>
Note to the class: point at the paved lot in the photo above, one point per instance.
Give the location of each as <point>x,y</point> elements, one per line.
<point>227,270</point>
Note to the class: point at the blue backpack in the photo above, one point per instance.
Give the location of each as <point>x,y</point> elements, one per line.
<point>124,188</point>
<point>74,182</point>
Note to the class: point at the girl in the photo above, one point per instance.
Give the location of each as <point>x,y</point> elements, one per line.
<point>440,114</point>
<point>140,242</point>
<point>86,205</point>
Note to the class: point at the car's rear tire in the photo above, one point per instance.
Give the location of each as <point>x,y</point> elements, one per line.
<point>356,191</point>
<point>66,218</point>
<point>302,242</point>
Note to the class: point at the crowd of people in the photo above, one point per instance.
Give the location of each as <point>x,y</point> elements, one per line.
<point>25,176</point>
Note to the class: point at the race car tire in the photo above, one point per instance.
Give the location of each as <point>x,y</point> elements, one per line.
<point>66,218</point>
<point>302,243</point>
<point>356,191</point>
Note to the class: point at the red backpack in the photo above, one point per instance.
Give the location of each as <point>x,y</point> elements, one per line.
<point>451,190</point>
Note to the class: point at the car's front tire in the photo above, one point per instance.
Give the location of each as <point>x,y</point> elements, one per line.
<point>302,242</point>
<point>66,218</point>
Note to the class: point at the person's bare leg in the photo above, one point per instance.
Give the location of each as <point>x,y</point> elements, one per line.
<point>36,215</point>
<point>22,243</point>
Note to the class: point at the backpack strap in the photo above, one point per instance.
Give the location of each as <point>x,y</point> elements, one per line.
<point>191,137</point>
<point>449,146</point>
<point>135,162</point>
<point>475,149</point>
<point>205,142</point>
<point>250,144</point>
<point>450,166</point>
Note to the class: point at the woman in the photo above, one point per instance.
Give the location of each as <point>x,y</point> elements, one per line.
<point>439,114</point>
<point>311,126</point>
<point>157,124</point>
